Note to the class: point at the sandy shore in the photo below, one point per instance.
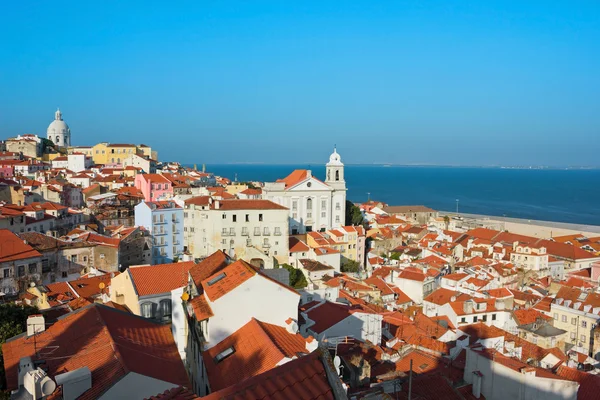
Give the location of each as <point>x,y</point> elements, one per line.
<point>535,228</point>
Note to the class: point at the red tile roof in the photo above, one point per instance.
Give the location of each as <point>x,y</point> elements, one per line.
<point>589,384</point>
<point>209,266</point>
<point>162,278</point>
<point>14,248</point>
<point>201,308</point>
<point>246,204</point>
<point>327,315</point>
<point>529,316</point>
<point>90,287</point>
<point>301,379</point>
<point>296,245</point>
<point>258,347</point>
<point>111,343</point>
<point>411,274</point>
<point>233,276</point>
<point>294,178</point>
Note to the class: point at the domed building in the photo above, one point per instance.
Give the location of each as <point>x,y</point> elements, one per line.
<point>58,131</point>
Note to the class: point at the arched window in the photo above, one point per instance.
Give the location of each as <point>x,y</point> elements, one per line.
<point>309,204</point>
<point>337,175</point>
<point>165,308</point>
<point>148,309</point>
<point>57,140</point>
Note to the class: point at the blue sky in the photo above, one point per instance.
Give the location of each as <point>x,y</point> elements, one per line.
<point>475,82</point>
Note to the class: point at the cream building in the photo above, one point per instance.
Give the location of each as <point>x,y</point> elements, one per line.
<point>248,229</point>
<point>313,205</point>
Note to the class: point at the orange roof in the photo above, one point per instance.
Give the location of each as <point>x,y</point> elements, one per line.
<point>300,379</point>
<point>111,343</point>
<point>257,347</point>
<point>442,296</point>
<point>412,274</point>
<point>296,245</point>
<point>162,278</point>
<point>14,248</point>
<point>529,316</point>
<point>294,178</point>
<point>207,267</point>
<point>90,287</point>
<point>201,308</point>
<point>229,278</point>
<point>247,204</point>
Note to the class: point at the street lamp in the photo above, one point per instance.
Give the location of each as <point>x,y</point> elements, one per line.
<point>368,196</point>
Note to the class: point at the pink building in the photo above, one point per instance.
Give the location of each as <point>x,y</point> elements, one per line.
<point>154,186</point>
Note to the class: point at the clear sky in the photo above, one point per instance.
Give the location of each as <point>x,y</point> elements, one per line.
<point>478,82</point>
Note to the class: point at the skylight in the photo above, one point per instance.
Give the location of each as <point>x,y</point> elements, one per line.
<point>224,354</point>
<point>216,279</point>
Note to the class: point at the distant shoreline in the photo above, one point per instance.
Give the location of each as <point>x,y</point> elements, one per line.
<point>384,165</point>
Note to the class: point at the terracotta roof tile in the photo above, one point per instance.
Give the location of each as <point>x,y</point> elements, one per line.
<point>161,278</point>
<point>230,277</point>
<point>201,308</point>
<point>109,342</point>
<point>257,347</point>
<point>14,248</point>
<point>209,266</point>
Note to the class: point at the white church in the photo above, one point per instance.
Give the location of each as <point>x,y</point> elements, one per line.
<point>314,205</point>
<point>58,131</point>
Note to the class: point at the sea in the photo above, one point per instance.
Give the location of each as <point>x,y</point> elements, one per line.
<point>561,195</point>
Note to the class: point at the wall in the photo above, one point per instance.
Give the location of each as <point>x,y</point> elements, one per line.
<point>123,292</point>
<point>253,298</point>
<point>135,386</point>
<point>359,325</point>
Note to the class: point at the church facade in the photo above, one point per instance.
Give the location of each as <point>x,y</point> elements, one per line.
<point>314,205</point>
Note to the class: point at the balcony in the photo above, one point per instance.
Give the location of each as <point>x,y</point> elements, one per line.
<point>160,244</point>
<point>256,233</point>
<point>266,246</point>
<point>159,222</point>
<point>175,220</point>
<point>277,233</point>
<point>245,233</point>
<point>160,233</point>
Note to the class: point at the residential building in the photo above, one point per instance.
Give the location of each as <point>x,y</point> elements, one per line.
<point>26,145</point>
<point>164,221</point>
<point>97,352</point>
<point>237,227</point>
<point>154,187</point>
<point>20,264</point>
<point>313,205</point>
<point>418,214</point>
<point>147,164</point>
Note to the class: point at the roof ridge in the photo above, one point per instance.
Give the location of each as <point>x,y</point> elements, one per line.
<point>271,338</point>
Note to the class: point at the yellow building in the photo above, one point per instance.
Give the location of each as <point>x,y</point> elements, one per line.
<point>109,153</point>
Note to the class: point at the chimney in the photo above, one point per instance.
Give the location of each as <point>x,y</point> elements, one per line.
<point>291,326</point>
<point>217,204</point>
<point>309,173</point>
<point>477,378</point>
<point>468,306</point>
<point>75,383</point>
<point>35,324</point>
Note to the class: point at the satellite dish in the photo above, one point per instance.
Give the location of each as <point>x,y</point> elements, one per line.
<point>32,284</point>
<point>102,285</point>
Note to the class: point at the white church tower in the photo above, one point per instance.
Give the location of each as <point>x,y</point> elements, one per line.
<point>58,131</point>
<point>335,179</point>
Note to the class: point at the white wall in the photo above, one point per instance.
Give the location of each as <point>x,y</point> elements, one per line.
<point>359,325</point>
<point>258,297</point>
<point>135,386</point>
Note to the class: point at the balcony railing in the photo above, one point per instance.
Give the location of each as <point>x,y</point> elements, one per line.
<point>245,233</point>
<point>277,233</point>
<point>266,245</point>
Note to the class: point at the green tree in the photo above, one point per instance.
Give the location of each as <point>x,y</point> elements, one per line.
<point>13,321</point>
<point>297,278</point>
<point>349,265</point>
<point>353,214</point>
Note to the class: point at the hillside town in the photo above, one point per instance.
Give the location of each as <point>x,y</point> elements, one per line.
<point>126,277</point>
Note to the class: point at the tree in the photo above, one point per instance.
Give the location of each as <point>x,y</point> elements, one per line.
<point>13,321</point>
<point>350,265</point>
<point>447,221</point>
<point>353,214</point>
<point>297,278</point>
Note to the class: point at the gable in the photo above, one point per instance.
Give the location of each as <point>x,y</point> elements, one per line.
<point>310,184</point>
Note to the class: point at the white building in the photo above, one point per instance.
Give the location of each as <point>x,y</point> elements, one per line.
<point>75,162</point>
<point>238,227</point>
<point>58,131</point>
<point>313,205</point>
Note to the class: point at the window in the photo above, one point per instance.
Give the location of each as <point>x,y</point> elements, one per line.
<point>257,231</point>
<point>463,320</point>
<point>323,214</point>
<point>564,318</point>
<point>295,205</point>
<point>277,231</point>
<point>21,270</point>
<point>232,231</point>
<point>260,218</point>
<point>337,206</point>
<point>337,218</point>
<point>224,216</point>
<point>216,279</point>
<point>63,274</point>
<point>493,317</point>
<point>148,310</point>
<point>165,308</point>
<point>224,354</point>
<point>323,204</point>
<point>266,231</point>
<point>309,204</point>
<point>234,217</point>
<point>6,273</point>
<point>584,324</point>
<point>573,321</point>
<point>583,338</point>
<point>247,217</point>
<point>224,232</point>
<point>32,268</point>
<point>484,318</point>
<point>244,231</point>
<point>572,335</point>
<point>555,315</point>
<point>74,258</point>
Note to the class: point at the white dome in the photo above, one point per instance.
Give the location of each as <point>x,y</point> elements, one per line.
<point>58,131</point>
<point>58,127</point>
<point>334,158</point>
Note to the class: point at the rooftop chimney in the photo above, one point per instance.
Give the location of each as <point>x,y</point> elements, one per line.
<point>75,383</point>
<point>35,324</point>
